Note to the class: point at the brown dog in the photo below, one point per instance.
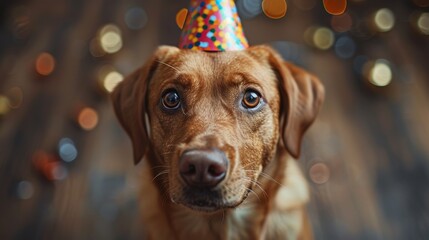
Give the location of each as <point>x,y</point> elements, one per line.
<point>218,132</point>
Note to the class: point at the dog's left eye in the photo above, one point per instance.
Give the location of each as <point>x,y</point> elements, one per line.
<point>251,99</point>
<point>171,100</point>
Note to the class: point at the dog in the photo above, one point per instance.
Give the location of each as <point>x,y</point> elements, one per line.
<point>219,133</point>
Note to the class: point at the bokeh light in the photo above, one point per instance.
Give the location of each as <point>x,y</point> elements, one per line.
<point>45,64</point>
<point>87,118</point>
<point>335,7</point>
<point>110,38</point>
<point>49,166</point>
<point>24,190</point>
<point>274,9</point>
<point>423,23</point>
<point>4,105</point>
<point>181,17</point>
<point>342,23</point>
<point>345,47</point>
<point>58,171</point>
<point>15,96</point>
<point>384,20</point>
<point>111,80</point>
<point>319,37</point>
<point>108,78</point>
<point>67,150</point>
<point>319,173</point>
<point>111,42</point>
<point>249,8</point>
<point>379,72</point>
<point>136,18</point>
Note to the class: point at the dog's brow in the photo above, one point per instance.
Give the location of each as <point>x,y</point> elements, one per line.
<point>242,78</point>
<point>184,80</point>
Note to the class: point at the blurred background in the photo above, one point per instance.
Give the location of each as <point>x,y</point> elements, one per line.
<point>66,169</point>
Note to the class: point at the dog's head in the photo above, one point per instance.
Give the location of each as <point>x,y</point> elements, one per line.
<point>210,122</point>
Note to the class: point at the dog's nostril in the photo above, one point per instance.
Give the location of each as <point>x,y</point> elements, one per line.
<point>216,170</point>
<point>191,169</point>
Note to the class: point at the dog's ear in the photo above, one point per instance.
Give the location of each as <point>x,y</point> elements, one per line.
<point>302,94</point>
<point>129,102</point>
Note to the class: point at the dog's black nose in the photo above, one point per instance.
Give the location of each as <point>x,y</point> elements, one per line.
<point>203,168</point>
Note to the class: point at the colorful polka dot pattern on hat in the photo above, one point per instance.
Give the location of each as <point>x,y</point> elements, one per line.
<point>213,25</point>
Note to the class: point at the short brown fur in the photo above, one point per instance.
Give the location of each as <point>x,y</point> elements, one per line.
<point>263,195</point>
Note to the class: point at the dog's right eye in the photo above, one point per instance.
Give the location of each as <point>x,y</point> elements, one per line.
<point>171,100</point>
<point>251,99</point>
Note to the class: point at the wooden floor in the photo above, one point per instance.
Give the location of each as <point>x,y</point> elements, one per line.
<point>373,141</point>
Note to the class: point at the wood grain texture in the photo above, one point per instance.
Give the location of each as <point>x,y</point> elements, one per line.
<point>374,142</point>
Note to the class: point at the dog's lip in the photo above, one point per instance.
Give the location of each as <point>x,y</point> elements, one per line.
<point>202,208</point>
<point>200,204</point>
<point>209,205</point>
<point>208,200</point>
<point>208,208</point>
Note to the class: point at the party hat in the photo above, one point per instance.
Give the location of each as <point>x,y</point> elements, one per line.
<point>213,25</point>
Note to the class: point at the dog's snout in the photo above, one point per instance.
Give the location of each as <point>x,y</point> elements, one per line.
<point>203,168</point>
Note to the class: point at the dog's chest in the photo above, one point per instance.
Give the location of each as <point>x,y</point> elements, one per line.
<point>240,223</point>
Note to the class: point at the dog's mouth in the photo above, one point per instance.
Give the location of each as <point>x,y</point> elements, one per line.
<point>205,200</point>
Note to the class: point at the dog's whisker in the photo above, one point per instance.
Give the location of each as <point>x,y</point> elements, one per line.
<point>257,184</point>
<point>262,189</point>
<point>160,173</point>
<point>183,110</point>
<point>168,65</point>
<point>250,190</point>
<point>266,176</point>
<point>248,164</point>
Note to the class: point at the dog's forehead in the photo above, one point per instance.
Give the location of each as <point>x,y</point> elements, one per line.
<point>212,71</point>
<point>209,64</point>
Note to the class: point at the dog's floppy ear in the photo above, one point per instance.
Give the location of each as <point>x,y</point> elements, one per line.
<point>302,94</point>
<point>302,97</point>
<point>129,102</point>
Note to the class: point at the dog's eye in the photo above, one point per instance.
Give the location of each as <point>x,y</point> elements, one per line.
<point>171,99</point>
<point>251,99</point>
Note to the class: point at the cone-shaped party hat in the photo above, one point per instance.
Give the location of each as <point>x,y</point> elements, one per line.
<point>213,25</point>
